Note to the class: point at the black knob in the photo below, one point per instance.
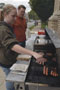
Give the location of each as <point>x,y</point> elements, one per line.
<point>21,87</point>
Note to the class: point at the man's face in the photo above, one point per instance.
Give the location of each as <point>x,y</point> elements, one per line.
<point>21,12</point>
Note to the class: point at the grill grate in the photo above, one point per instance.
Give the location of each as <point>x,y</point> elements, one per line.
<point>35,75</point>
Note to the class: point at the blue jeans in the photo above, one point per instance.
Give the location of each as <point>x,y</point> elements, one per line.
<point>9,85</point>
<point>22,43</point>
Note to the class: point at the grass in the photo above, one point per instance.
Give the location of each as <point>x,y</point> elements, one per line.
<point>43,25</point>
<point>32,27</point>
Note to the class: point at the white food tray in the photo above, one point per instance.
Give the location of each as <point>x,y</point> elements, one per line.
<point>19,67</point>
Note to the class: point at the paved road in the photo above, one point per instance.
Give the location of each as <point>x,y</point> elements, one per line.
<point>29,24</point>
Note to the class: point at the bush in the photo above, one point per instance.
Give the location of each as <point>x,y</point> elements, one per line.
<point>32,27</point>
<point>43,25</point>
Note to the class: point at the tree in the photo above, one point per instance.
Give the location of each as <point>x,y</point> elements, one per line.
<point>33,15</point>
<point>43,8</point>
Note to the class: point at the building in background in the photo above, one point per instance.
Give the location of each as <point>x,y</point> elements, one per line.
<point>54,20</point>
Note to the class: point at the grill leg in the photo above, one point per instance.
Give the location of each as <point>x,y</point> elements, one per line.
<point>19,86</point>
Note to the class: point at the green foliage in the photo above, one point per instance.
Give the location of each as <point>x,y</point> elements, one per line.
<point>43,25</point>
<point>31,27</point>
<point>43,8</point>
<point>33,15</point>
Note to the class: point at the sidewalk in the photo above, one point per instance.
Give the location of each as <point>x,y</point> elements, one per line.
<point>38,27</point>
<point>30,41</point>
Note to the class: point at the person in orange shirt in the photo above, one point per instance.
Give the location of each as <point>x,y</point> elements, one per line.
<point>20,25</point>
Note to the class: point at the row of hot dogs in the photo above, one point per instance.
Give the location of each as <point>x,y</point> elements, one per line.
<point>50,64</point>
<point>53,71</point>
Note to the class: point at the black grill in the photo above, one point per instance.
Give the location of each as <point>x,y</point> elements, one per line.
<point>35,75</point>
<point>35,71</point>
